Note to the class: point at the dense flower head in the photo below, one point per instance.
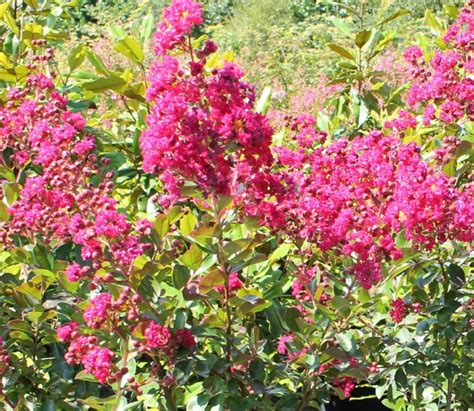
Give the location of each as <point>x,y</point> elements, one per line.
<point>157,336</point>
<point>177,21</point>
<point>444,85</point>
<point>74,272</point>
<point>398,310</point>
<point>234,284</point>
<point>202,127</point>
<point>353,197</point>
<point>346,385</point>
<point>66,332</point>
<point>96,312</point>
<point>282,346</point>
<point>98,362</point>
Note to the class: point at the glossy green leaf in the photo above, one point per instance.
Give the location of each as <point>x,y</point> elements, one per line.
<point>341,51</point>
<point>105,84</point>
<point>396,15</point>
<point>130,47</point>
<point>187,223</point>
<point>263,103</point>
<point>76,57</point>
<point>362,37</point>
<point>192,258</point>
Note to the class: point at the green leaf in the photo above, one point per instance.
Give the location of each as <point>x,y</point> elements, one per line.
<point>32,3</point>
<point>363,113</point>
<point>280,252</point>
<point>291,317</point>
<point>187,223</point>
<point>84,376</point>
<point>263,103</point>
<point>401,378</point>
<point>362,37</point>
<point>10,22</point>
<point>210,280</point>
<point>346,341</point>
<point>433,22</point>
<point>180,276</point>
<point>340,304</point>
<point>396,15</point>
<point>11,192</point>
<point>4,216</point>
<point>192,391</point>
<point>342,26</point>
<point>76,56</point>
<point>130,47</point>
<point>20,325</point>
<point>451,11</point>
<point>5,62</point>
<point>3,8</point>
<point>457,275</point>
<point>192,258</point>
<point>97,62</point>
<point>148,26</point>
<point>105,83</point>
<point>341,51</point>
<point>117,32</point>
<point>162,225</point>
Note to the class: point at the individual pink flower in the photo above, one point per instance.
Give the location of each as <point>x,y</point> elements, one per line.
<point>66,332</point>
<point>75,272</point>
<point>97,311</point>
<point>398,310</point>
<point>282,347</point>
<point>157,336</point>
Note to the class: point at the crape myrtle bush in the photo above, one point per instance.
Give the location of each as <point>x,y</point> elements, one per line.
<point>262,272</point>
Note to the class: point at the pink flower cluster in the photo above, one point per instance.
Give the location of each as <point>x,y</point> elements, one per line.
<point>346,385</point>
<point>59,201</point>
<point>67,198</point>
<point>444,86</point>
<point>86,351</point>
<point>352,197</point>
<point>95,314</point>
<point>157,336</point>
<point>398,310</point>
<point>202,127</point>
<point>177,22</point>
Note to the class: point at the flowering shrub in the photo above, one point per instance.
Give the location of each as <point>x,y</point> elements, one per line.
<point>206,262</point>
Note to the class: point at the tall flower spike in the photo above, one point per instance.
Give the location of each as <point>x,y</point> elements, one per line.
<point>202,127</point>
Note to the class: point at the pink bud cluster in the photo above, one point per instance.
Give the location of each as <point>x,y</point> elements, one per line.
<point>346,385</point>
<point>4,359</point>
<point>202,127</point>
<point>400,309</point>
